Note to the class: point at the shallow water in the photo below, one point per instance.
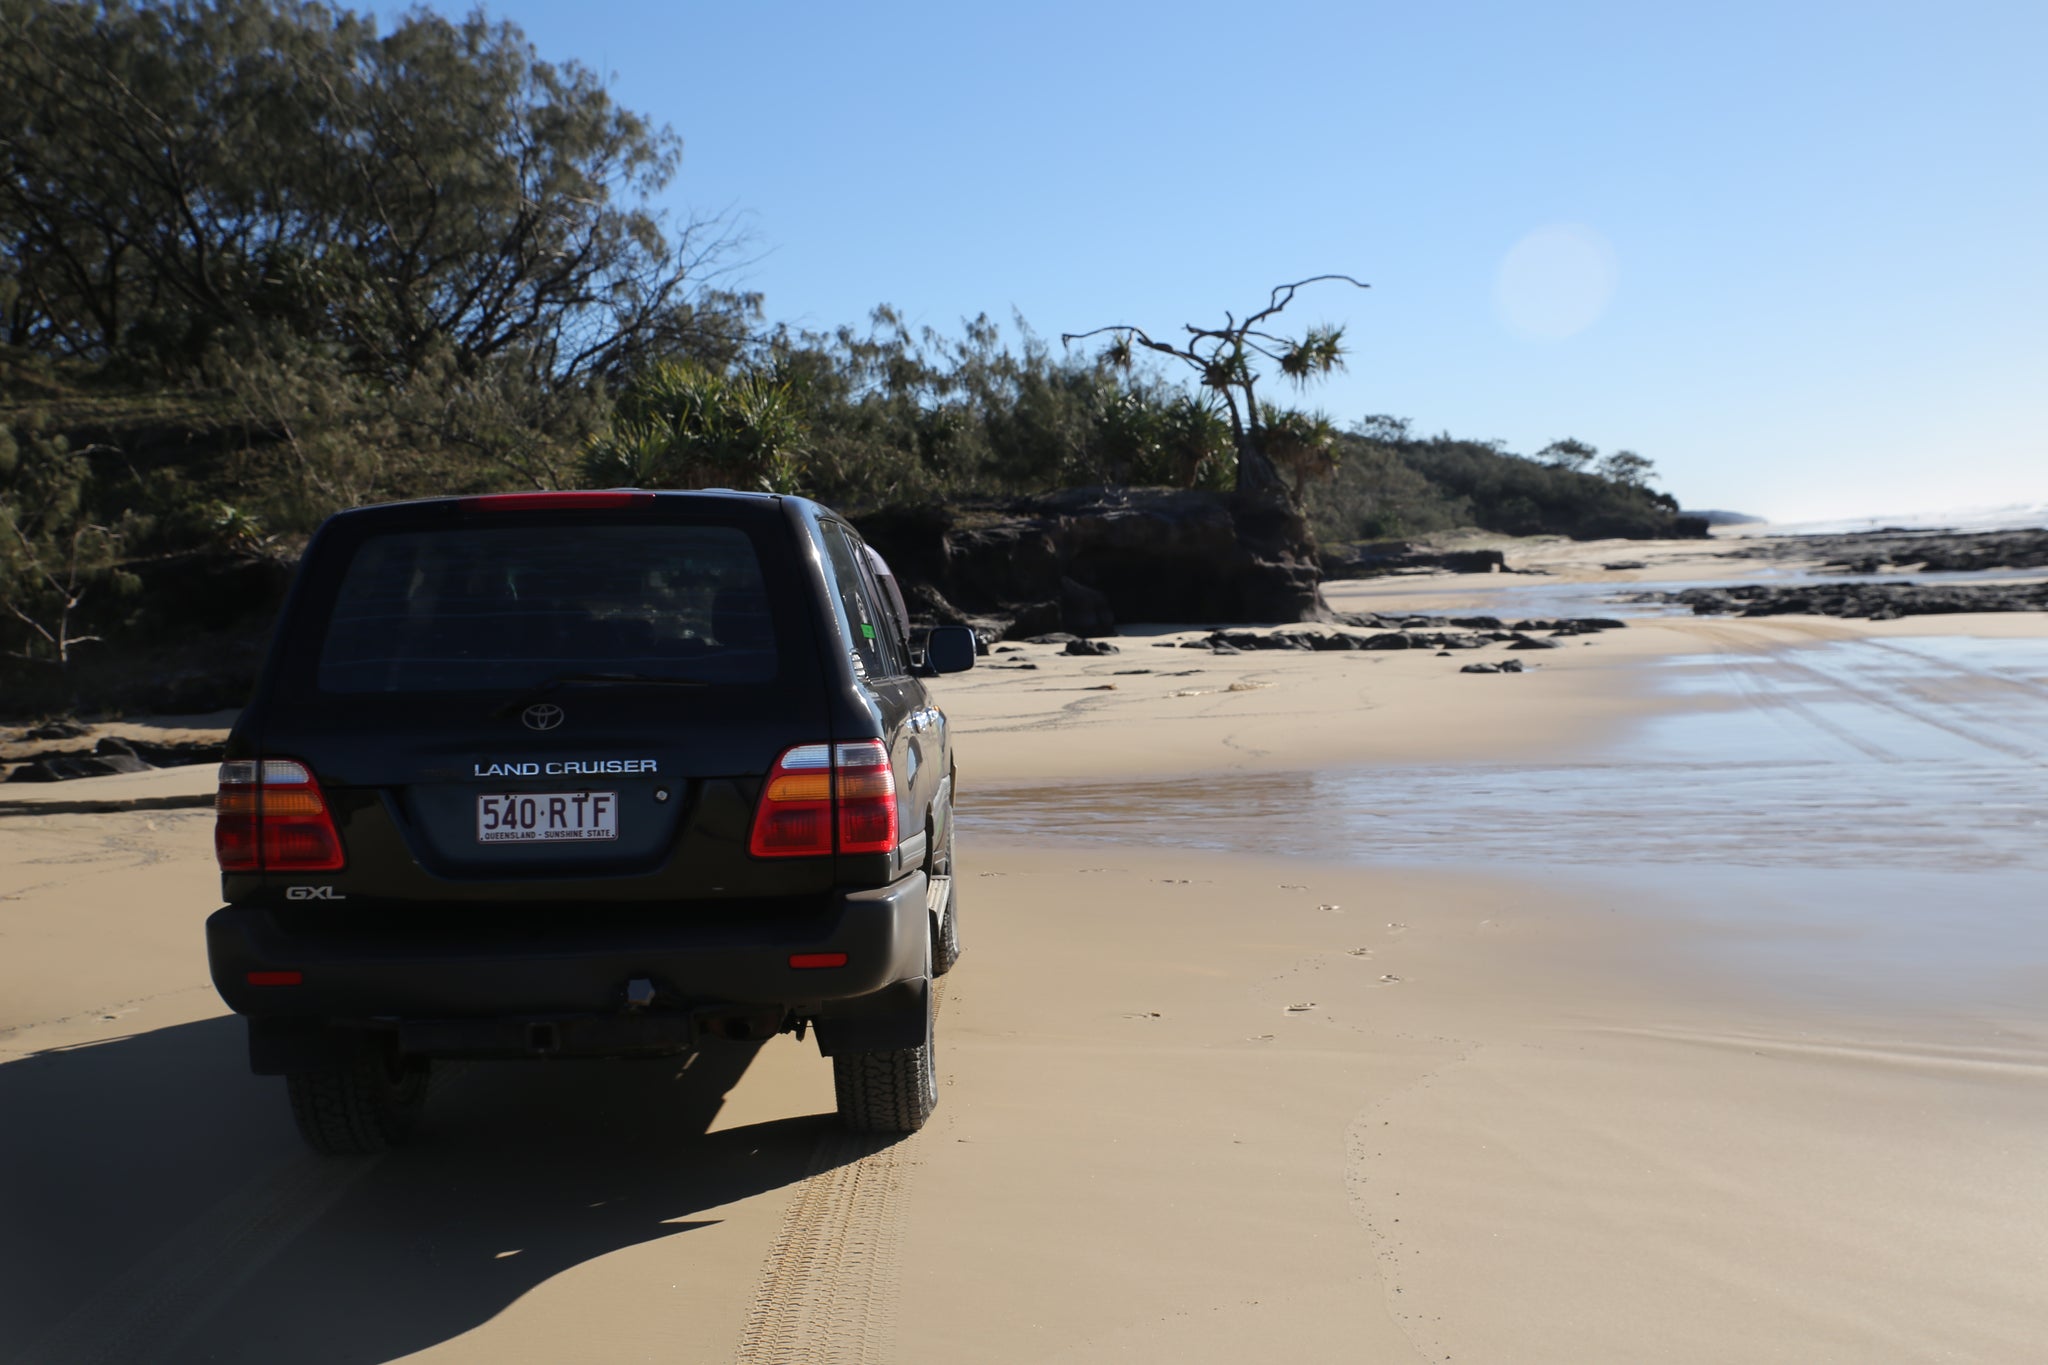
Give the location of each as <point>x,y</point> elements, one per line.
<point>1881,804</point>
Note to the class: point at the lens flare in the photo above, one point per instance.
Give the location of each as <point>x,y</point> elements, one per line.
<point>1556,282</point>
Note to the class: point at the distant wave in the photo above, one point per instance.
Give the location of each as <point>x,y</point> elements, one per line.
<point>2019,516</point>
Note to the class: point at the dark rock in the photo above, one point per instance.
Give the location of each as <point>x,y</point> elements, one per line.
<point>1620,565</point>
<point>1891,548</point>
<point>1480,668</point>
<point>1090,647</point>
<point>1394,556</point>
<point>1894,598</point>
<point>1080,560</point>
<point>929,607</point>
<point>114,744</point>
<point>175,755</point>
<point>1056,637</point>
<point>1529,642</point>
<point>58,729</point>
<point>1390,640</point>
<point>1085,611</point>
<point>66,767</point>
<point>1477,622</point>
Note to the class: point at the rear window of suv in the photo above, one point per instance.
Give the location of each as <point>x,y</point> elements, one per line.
<point>491,608</point>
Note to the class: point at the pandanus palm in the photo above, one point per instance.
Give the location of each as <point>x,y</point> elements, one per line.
<point>1226,359</point>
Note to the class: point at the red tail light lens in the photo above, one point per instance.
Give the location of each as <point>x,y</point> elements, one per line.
<point>867,798</point>
<point>794,819</point>
<point>821,798</point>
<point>270,816</point>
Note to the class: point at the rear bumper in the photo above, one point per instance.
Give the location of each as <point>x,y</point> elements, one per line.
<point>384,980</point>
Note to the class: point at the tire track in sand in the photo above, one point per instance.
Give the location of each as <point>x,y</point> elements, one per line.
<point>827,1294</point>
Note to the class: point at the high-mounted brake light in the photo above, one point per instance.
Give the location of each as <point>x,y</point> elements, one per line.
<point>270,816</point>
<point>825,798</point>
<point>563,501</point>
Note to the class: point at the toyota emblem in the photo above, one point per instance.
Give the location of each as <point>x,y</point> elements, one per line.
<point>542,716</point>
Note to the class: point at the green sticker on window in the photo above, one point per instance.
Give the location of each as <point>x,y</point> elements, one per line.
<point>867,630</point>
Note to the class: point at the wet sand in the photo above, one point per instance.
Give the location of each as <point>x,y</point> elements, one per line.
<point>1679,1000</point>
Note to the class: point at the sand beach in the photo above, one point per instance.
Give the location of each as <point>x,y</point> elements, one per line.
<point>1678,999</point>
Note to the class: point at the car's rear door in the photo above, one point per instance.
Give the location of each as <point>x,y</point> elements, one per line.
<point>881,665</point>
<point>554,699</point>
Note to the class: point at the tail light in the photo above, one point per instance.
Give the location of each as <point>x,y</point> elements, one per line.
<point>866,789</point>
<point>825,798</point>
<point>270,816</point>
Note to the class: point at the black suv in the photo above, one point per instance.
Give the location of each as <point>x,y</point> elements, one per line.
<point>586,774</point>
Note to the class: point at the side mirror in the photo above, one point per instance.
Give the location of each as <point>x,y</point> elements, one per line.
<point>949,649</point>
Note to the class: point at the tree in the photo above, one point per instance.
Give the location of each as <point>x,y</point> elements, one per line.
<point>1627,467</point>
<point>178,176</point>
<point>1382,427</point>
<point>1569,454</point>
<point>53,553</point>
<point>1226,358</point>
<point>1182,441</point>
<point>686,425</point>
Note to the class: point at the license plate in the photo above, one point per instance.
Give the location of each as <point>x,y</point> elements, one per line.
<point>546,817</point>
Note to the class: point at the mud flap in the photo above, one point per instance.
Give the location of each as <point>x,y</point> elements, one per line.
<point>890,1020</point>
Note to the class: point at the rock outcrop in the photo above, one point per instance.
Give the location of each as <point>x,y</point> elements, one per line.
<point>1876,601</point>
<point>1398,556</point>
<point>1869,552</point>
<point>1083,559</point>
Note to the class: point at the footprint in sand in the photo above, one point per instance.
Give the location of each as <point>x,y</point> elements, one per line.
<point>1301,1009</point>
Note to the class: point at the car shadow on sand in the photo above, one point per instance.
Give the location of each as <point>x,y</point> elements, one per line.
<point>155,1203</point>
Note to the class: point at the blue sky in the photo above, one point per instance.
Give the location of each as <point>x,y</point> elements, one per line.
<point>1795,254</point>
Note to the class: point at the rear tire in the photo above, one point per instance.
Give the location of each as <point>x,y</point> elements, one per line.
<point>946,925</point>
<point>365,1105</point>
<point>948,951</point>
<point>889,1092</point>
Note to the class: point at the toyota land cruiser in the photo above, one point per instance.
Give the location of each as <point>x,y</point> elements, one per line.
<point>586,774</point>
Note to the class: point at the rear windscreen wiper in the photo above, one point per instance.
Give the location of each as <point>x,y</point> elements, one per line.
<point>539,690</point>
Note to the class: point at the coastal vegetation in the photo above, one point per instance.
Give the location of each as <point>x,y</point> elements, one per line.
<point>261,260</point>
